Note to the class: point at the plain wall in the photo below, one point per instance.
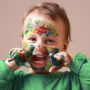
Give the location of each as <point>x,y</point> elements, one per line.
<point>12,12</point>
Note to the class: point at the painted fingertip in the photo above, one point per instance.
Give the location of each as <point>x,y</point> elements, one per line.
<point>10,53</point>
<point>55,50</point>
<point>63,57</point>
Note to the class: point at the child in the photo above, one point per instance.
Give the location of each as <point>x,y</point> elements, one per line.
<point>45,39</point>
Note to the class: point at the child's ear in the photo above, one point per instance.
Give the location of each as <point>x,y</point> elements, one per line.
<point>66,45</point>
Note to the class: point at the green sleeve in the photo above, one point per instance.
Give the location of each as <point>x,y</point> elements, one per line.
<point>6,77</point>
<point>81,66</point>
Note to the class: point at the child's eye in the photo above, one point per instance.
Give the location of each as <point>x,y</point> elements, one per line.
<point>32,39</point>
<point>49,41</point>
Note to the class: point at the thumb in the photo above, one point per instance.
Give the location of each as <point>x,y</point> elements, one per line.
<point>53,69</point>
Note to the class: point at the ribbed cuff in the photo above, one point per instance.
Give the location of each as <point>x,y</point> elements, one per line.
<point>77,62</point>
<point>5,71</point>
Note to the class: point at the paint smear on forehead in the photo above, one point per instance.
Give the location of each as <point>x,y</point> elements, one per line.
<point>39,27</point>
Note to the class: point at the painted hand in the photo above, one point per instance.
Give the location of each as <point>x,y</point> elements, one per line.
<point>59,60</point>
<point>21,56</point>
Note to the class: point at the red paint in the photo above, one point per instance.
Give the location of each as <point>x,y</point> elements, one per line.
<point>41,29</point>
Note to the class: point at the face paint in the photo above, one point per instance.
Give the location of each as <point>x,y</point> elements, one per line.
<point>49,63</point>
<point>41,28</point>
<point>25,44</point>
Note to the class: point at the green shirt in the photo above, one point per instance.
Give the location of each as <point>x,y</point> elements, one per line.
<point>77,79</point>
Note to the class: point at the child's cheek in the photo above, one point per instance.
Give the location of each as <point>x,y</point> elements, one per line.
<point>25,44</point>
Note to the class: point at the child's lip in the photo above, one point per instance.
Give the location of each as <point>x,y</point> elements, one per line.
<point>39,63</point>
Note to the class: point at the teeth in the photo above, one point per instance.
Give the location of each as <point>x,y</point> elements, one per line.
<point>40,56</point>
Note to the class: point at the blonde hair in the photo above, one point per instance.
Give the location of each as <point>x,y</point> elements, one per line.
<point>54,11</point>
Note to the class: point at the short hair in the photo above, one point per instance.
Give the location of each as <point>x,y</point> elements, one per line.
<point>54,11</point>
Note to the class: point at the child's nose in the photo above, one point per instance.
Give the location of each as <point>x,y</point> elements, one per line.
<point>41,46</point>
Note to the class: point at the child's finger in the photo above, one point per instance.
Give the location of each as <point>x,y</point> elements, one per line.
<point>13,51</point>
<point>53,69</point>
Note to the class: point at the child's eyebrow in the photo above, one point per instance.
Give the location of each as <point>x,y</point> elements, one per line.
<point>32,35</point>
<point>51,37</point>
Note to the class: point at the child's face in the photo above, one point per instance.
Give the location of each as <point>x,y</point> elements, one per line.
<point>43,33</point>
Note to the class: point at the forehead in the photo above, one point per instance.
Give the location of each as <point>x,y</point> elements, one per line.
<point>34,18</point>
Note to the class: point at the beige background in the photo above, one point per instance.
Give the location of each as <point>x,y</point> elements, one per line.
<point>11,14</point>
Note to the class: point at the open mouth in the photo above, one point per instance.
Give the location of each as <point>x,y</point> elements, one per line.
<point>39,60</point>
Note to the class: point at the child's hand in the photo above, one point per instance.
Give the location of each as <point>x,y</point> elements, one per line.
<point>21,56</point>
<point>59,60</point>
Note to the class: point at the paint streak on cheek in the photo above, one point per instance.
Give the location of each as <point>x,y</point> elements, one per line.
<point>25,44</point>
<point>51,50</point>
